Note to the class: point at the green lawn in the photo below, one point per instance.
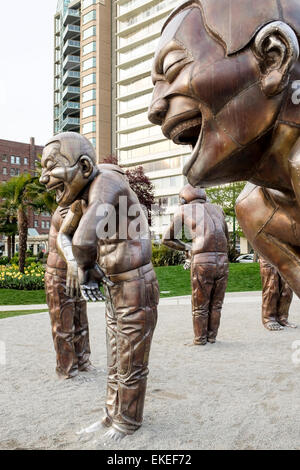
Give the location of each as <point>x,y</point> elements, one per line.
<point>17,313</point>
<point>173,281</point>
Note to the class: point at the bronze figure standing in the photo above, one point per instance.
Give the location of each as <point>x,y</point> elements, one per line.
<point>106,233</point>
<point>206,224</point>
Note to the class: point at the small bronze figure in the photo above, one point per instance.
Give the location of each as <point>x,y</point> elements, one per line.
<point>107,233</point>
<point>226,78</point>
<point>68,314</point>
<point>276,298</point>
<point>206,224</point>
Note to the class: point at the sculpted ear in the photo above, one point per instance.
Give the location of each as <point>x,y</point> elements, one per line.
<point>87,165</point>
<point>277,49</point>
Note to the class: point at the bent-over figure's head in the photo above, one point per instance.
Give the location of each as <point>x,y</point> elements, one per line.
<point>189,194</point>
<point>68,163</point>
<point>223,76</point>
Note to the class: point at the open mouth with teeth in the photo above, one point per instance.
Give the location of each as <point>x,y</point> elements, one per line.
<point>59,189</point>
<point>187,132</point>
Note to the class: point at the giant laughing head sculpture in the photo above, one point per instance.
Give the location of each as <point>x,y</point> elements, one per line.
<point>225,74</point>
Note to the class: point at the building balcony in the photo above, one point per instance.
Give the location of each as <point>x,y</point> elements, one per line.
<point>71,93</point>
<point>71,47</point>
<point>72,62</point>
<point>71,107</point>
<point>70,123</point>
<point>71,32</point>
<point>71,17</point>
<point>71,78</point>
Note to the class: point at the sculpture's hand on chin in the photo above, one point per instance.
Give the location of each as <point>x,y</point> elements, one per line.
<point>90,280</point>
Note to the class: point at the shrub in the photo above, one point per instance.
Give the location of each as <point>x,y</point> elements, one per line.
<point>164,256</point>
<point>32,279</point>
<point>4,260</point>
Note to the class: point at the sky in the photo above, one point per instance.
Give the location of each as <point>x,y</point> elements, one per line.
<point>26,64</point>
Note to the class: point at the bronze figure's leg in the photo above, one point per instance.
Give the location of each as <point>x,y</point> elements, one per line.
<point>135,304</point>
<point>286,297</point>
<point>112,380</point>
<point>270,298</point>
<point>216,303</point>
<point>62,311</point>
<point>202,285</point>
<point>82,340</point>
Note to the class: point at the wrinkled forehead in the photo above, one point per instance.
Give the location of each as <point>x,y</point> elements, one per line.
<point>52,152</point>
<point>187,30</point>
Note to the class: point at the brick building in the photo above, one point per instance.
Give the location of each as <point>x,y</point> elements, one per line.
<point>17,158</point>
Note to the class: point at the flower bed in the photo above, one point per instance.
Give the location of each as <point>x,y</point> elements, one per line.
<point>32,279</point>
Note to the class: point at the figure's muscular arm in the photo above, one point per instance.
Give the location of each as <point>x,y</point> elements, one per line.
<point>103,200</point>
<point>64,246</point>
<point>169,237</point>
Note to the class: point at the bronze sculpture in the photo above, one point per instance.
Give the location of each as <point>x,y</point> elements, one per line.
<point>68,314</point>
<point>206,225</point>
<point>276,298</point>
<point>107,233</point>
<point>226,75</point>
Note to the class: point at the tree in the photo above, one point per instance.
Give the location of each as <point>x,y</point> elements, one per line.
<point>226,196</point>
<point>8,226</point>
<point>140,184</point>
<point>14,193</point>
<point>18,195</point>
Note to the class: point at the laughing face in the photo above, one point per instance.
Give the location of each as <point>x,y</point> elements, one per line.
<point>210,101</point>
<point>59,174</point>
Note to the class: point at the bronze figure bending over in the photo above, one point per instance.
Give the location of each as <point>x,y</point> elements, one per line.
<point>68,314</point>
<point>226,77</point>
<point>106,232</point>
<point>209,260</point>
<point>276,298</point>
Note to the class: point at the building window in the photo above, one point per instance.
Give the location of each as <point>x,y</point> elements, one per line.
<point>25,161</point>
<point>12,172</point>
<point>17,172</point>
<point>89,95</point>
<point>89,63</point>
<point>90,47</point>
<point>4,171</point>
<point>36,224</point>
<point>89,127</point>
<point>89,79</point>
<point>47,224</point>
<point>89,111</point>
<point>12,160</point>
<point>89,32</point>
<point>89,16</point>
<point>4,158</point>
<point>87,3</point>
<point>43,224</point>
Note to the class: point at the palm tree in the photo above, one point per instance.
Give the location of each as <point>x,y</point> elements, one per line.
<point>8,226</point>
<point>14,193</point>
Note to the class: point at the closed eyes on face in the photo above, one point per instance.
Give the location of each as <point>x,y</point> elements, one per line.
<point>174,63</point>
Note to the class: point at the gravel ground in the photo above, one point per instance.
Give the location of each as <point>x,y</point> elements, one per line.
<point>241,393</point>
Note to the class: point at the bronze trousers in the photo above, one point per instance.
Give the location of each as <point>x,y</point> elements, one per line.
<point>209,275</point>
<point>276,295</point>
<point>69,323</point>
<point>131,315</point>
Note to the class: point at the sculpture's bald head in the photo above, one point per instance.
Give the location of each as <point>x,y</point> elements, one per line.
<point>221,72</point>
<point>69,163</point>
<point>189,194</point>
